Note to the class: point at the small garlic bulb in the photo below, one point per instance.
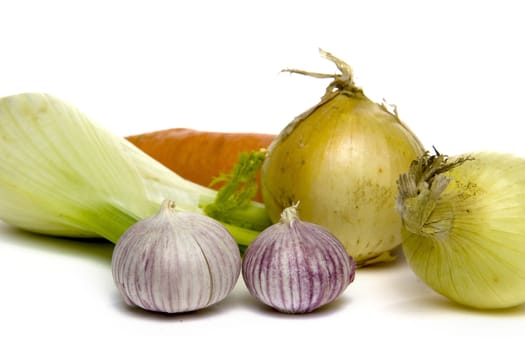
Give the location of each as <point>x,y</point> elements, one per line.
<point>296,266</point>
<point>175,262</point>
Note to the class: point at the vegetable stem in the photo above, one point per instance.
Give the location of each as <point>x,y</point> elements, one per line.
<point>419,190</point>
<point>243,236</point>
<point>343,81</point>
<point>233,204</point>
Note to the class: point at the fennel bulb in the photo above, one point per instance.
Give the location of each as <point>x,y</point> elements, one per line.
<point>63,174</point>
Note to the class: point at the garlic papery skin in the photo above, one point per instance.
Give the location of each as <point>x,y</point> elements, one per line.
<point>175,262</point>
<point>295,266</point>
<point>464,227</point>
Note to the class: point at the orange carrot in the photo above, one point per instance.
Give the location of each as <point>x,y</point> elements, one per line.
<point>200,156</point>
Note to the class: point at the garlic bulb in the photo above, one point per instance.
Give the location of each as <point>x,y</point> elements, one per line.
<point>464,227</point>
<point>341,160</point>
<point>295,266</point>
<point>175,262</point>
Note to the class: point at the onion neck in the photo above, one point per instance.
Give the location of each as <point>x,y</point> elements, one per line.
<point>344,81</point>
<point>420,191</point>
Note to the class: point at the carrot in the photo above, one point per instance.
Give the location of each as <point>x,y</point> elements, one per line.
<point>200,156</point>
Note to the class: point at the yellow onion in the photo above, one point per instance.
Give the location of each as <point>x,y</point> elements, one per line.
<point>340,160</point>
<point>464,226</point>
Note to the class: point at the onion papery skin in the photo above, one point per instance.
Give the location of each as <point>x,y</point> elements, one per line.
<point>296,267</point>
<point>175,262</point>
<point>341,161</point>
<point>467,240</point>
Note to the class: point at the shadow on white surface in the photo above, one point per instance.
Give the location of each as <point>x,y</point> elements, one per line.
<point>391,288</point>
<point>252,305</point>
<point>97,249</point>
<point>239,301</point>
<point>435,303</point>
<point>208,313</point>
<point>414,297</point>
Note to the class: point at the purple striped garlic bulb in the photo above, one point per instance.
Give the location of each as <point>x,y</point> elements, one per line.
<point>295,266</point>
<point>175,262</point>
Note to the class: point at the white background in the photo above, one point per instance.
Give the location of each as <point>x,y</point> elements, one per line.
<point>455,70</point>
